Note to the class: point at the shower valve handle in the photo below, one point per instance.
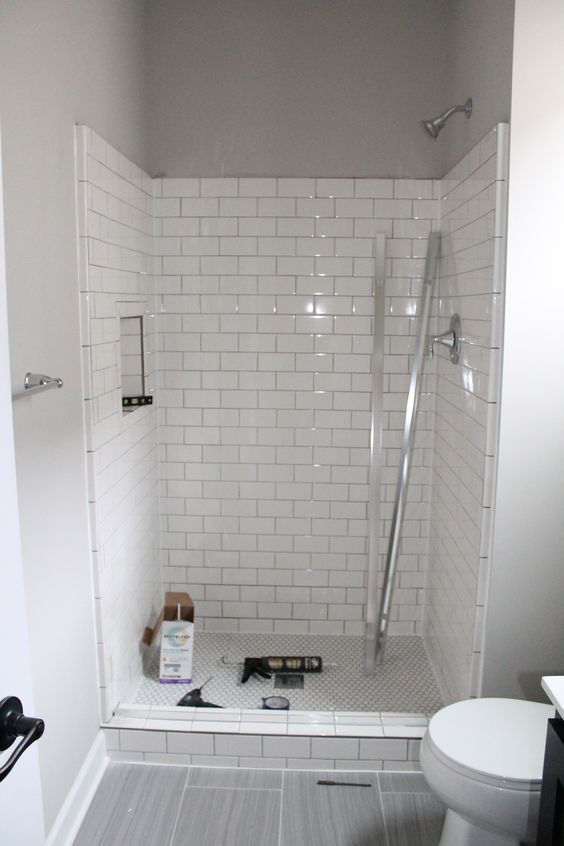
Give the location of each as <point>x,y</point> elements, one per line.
<point>450,339</point>
<point>447,339</point>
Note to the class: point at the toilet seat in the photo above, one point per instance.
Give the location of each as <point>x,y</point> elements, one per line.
<point>495,741</point>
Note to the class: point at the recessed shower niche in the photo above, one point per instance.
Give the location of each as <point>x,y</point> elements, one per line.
<point>132,360</point>
<point>263,291</point>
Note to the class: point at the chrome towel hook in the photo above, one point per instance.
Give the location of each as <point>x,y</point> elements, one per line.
<point>451,339</point>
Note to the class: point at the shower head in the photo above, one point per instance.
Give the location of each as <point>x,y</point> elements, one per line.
<point>434,125</point>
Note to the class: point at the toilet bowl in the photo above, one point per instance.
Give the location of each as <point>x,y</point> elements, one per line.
<point>483,758</point>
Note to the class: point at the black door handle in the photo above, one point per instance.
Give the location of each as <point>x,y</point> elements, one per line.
<point>14,724</point>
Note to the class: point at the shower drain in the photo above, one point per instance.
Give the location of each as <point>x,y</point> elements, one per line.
<point>289,681</point>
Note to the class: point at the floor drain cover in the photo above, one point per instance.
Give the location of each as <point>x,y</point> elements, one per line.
<point>290,681</point>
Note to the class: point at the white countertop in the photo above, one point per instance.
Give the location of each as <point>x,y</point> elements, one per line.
<point>554,688</point>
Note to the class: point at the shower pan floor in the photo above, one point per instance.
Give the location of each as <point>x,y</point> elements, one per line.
<point>404,683</point>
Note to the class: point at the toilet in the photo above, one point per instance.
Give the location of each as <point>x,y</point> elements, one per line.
<point>483,758</point>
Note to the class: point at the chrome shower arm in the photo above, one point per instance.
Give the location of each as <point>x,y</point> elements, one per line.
<point>453,110</point>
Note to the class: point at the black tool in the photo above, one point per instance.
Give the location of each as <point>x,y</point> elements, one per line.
<point>254,667</point>
<point>343,783</point>
<point>193,699</point>
<point>266,666</point>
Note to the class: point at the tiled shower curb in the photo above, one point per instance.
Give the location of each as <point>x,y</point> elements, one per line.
<point>296,740</point>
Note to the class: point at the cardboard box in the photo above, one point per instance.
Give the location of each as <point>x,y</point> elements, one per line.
<point>170,612</point>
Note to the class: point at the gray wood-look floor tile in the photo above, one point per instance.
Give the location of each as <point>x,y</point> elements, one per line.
<point>246,779</point>
<point>403,783</point>
<point>133,805</point>
<point>413,819</point>
<point>314,815</point>
<point>211,816</point>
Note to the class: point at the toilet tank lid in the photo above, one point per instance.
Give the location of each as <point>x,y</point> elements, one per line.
<point>503,738</point>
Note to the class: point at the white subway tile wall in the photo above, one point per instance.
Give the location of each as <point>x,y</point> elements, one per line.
<point>115,222</point>
<point>265,327</point>
<point>472,276</point>
<point>263,295</point>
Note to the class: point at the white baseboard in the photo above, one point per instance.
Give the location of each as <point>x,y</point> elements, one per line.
<point>69,818</point>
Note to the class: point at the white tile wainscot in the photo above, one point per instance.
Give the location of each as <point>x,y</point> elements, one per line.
<point>253,739</point>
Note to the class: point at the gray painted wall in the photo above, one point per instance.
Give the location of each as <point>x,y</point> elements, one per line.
<point>60,63</point>
<point>295,87</point>
<point>480,47</point>
<point>525,623</point>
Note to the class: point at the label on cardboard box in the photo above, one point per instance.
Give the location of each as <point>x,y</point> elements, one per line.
<point>177,644</point>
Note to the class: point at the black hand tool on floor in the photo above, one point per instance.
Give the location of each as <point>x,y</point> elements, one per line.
<point>343,783</point>
<point>193,699</point>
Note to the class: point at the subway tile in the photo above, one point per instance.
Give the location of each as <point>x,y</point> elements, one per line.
<point>377,188</point>
<point>277,207</point>
<point>295,226</point>
<point>291,187</point>
<point>200,246</point>
<point>256,226</point>
<point>213,226</point>
<point>288,747</point>
<point>277,246</point>
<point>388,749</point>
<point>198,207</point>
<point>295,265</point>
<point>315,208</point>
<point>142,741</point>
<point>259,265</point>
<point>219,265</point>
<point>166,207</point>
<point>218,187</point>
<point>333,748</point>
<point>334,187</point>
<point>236,745</point>
<point>191,743</point>
<point>181,265</point>
<point>237,207</point>
<point>180,187</point>
<point>238,246</point>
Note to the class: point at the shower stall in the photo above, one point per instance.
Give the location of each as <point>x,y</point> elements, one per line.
<point>278,319</point>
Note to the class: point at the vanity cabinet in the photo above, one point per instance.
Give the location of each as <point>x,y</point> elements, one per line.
<point>551,816</point>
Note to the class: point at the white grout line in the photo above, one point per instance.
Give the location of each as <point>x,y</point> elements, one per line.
<point>382,810</point>
<point>179,807</point>
<point>281,807</point>
<point>221,787</point>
